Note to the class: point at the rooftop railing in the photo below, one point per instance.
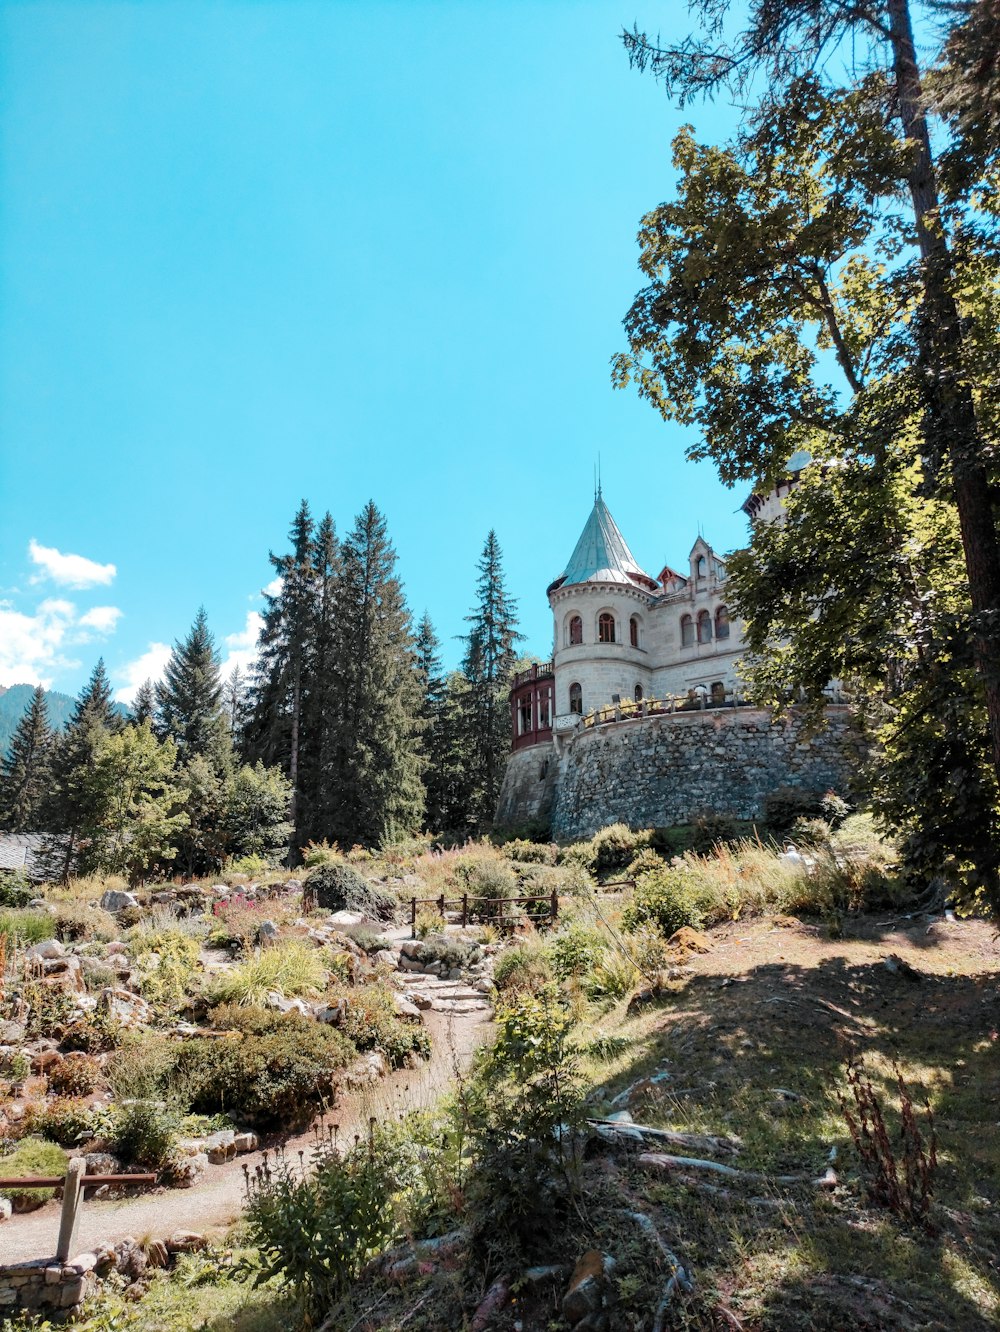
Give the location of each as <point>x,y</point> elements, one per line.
<point>536,672</point>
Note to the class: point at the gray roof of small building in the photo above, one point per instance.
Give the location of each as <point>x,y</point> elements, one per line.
<point>25,851</point>
<point>602,554</point>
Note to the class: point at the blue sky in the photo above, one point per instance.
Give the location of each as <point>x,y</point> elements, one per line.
<point>251,252</point>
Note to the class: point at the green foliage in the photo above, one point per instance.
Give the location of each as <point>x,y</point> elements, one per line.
<point>371,1023</point>
<point>290,968</point>
<point>520,1109</point>
<point>522,968</point>
<point>189,698</point>
<point>528,852</point>
<point>75,1075</point>
<point>255,815</point>
<point>168,962</point>
<point>577,949</point>
<point>448,949</point>
<point>67,1121</point>
<point>615,846</point>
<point>278,1079</point>
<point>485,874</point>
<point>25,771</point>
<point>710,829</point>
<point>31,1157</point>
<point>316,1229</point>
<point>15,888</point>
<point>666,898</point>
<point>144,1135</point>
<point>26,926</point>
<point>335,886</point>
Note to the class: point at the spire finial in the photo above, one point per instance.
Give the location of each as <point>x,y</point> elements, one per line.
<point>598,495</point>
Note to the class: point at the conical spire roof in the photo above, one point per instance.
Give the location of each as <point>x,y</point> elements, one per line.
<point>602,554</point>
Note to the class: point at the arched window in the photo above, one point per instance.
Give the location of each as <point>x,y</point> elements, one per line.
<point>605,627</point>
<point>704,627</point>
<point>638,693</point>
<point>687,631</point>
<point>718,693</point>
<point>633,631</point>
<point>722,622</point>
<point>575,630</point>
<point>701,568</point>
<point>576,699</point>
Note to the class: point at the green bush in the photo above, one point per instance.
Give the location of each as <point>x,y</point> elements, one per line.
<point>788,803</point>
<point>529,853</point>
<point>806,833</point>
<point>278,1079</point>
<point>33,1156</point>
<point>485,875</point>
<point>93,1033</point>
<point>76,1075</point>
<point>646,860</point>
<point>66,1120</point>
<point>335,886</point>
<point>523,968</point>
<point>576,949</point>
<point>315,1229</point>
<point>15,888</point>
<point>834,809</point>
<point>371,1023</point>
<point>666,898</point>
<point>615,847</point>
<point>452,952</point>
<point>168,962</point>
<point>290,968</point>
<point>144,1135</point>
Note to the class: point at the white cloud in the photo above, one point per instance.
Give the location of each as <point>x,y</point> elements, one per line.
<point>150,666</point>
<point>242,647</point>
<point>274,587</point>
<point>69,570</point>
<point>102,619</point>
<point>31,645</point>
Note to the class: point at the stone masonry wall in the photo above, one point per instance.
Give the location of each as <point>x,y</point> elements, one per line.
<point>526,795</point>
<point>658,771</point>
<point>44,1286</point>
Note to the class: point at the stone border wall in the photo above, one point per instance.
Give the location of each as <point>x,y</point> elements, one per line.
<point>45,1285</point>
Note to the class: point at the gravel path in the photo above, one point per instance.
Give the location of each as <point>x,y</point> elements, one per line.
<point>216,1200</point>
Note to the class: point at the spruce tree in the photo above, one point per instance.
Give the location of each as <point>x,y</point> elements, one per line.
<point>375,765</point>
<point>489,660</point>
<point>25,773</point>
<point>190,697</point>
<point>93,719</point>
<point>236,702</point>
<point>444,738</point>
<point>144,704</point>
<point>274,732</point>
<point>320,715</point>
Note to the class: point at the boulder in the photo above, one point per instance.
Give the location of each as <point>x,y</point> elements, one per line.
<point>221,1147</point>
<point>279,1004</point>
<point>246,1142</point>
<point>47,950</point>
<point>115,900</point>
<point>131,1010</point>
<point>404,1008</point>
<point>385,957</point>
<point>11,1033</point>
<point>332,1014</point>
<point>6,1210</point>
<point>267,933</point>
<point>186,1241</point>
<point>588,1287</point>
<point>345,920</point>
<point>187,1170</point>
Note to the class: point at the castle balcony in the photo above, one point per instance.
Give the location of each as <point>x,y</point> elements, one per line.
<point>532,705</point>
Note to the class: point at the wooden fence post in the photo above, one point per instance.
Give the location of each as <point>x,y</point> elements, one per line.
<point>465,910</point>
<point>440,906</point>
<point>70,1204</point>
<point>413,917</point>
<point>555,904</point>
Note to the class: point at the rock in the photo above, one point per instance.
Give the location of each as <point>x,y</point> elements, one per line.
<point>188,1170</point>
<point>332,1014</point>
<point>46,950</point>
<point>221,1147</point>
<point>407,963</point>
<point>385,957</point>
<point>433,968</point>
<point>344,920</point>
<point>267,933</point>
<point>246,1142</point>
<point>102,1163</point>
<point>404,1008</point>
<point>6,1210</point>
<point>279,1004</point>
<point>116,946</point>
<point>131,1010</point>
<point>45,1061</point>
<point>367,1069</point>
<point>587,1289</point>
<point>114,901</point>
<point>11,1033</point>
<point>186,1241</point>
<point>411,948</point>
<point>130,1260</point>
<point>421,1001</point>
<point>494,1300</point>
<point>292,885</point>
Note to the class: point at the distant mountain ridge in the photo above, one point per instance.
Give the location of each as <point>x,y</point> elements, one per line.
<point>14,700</point>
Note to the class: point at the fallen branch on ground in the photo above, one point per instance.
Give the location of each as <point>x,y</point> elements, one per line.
<point>698,1142</point>
<point>665,1161</point>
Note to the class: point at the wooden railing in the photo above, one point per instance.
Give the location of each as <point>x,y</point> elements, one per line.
<point>536,672</point>
<point>72,1184</point>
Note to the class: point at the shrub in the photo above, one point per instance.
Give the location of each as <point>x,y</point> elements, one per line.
<point>141,1068</point>
<point>315,1229</point>
<point>252,866</point>
<point>84,920</point>
<point>278,1079</point>
<point>529,853</point>
<point>15,888</point>
<point>290,968</point>
<point>371,1023</point>
<point>486,875</point>
<point>335,886</point>
<point>646,860</point>
<point>44,1009</point>
<point>807,833</point>
<point>788,803</point>
<point>144,1135</point>
<point>168,961</point>
<point>427,922</point>
<point>66,1121</point>
<point>320,853</point>
<point>834,809</point>
<point>23,926</point>
<point>368,939</point>
<point>665,898</point>
<point>452,951</point>
<point>612,978</point>
<point>710,829</point>
<point>93,1033</point>
<point>576,949</point>
<point>615,847</point>
<point>522,969</point>
<point>33,1156</point>
<point>76,1075</point>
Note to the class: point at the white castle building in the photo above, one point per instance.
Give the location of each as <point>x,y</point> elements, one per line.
<point>622,636</point>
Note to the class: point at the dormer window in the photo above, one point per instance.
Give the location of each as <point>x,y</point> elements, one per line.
<point>606,627</point>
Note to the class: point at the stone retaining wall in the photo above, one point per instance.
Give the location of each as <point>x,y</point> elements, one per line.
<point>45,1285</point>
<point>663,770</point>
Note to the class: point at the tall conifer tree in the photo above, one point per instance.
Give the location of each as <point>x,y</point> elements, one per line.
<point>489,660</point>
<point>374,774</point>
<point>190,697</point>
<point>144,704</point>
<point>26,771</point>
<point>320,714</point>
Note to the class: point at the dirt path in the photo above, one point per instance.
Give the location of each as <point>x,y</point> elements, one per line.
<point>216,1200</point>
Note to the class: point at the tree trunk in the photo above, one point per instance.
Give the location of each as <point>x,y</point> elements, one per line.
<point>951,429</point>
<point>293,763</point>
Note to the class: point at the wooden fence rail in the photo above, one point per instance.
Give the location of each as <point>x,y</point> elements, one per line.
<point>72,1183</point>
<point>463,903</point>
